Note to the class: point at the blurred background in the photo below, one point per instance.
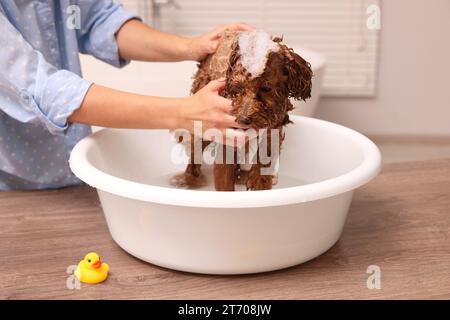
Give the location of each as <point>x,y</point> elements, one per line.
<point>381,67</point>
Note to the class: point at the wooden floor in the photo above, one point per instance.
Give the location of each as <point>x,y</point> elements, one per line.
<point>400,222</point>
<point>412,148</point>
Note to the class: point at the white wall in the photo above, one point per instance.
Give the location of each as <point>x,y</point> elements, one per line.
<point>414,76</point>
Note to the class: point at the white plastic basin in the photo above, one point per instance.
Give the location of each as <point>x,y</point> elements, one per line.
<point>227,232</point>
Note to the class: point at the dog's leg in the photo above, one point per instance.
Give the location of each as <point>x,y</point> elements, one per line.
<point>277,160</point>
<point>256,180</point>
<point>224,173</point>
<point>224,177</point>
<point>192,177</point>
<point>243,167</point>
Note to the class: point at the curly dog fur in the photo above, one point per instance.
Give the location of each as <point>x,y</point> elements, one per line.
<point>261,101</point>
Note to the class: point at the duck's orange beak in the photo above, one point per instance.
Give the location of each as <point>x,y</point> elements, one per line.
<point>97,264</point>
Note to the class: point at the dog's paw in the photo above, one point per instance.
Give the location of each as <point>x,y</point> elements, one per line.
<point>259,183</point>
<point>188,181</point>
<point>274,179</point>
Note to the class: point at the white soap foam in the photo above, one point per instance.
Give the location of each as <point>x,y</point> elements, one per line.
<point>255,46</point>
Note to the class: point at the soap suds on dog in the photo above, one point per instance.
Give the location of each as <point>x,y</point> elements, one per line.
<point>254,47</point>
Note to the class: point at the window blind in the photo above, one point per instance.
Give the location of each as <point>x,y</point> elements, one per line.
<point>336,28</point>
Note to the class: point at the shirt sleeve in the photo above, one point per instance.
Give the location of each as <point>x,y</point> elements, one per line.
<point>31,89</point>
<point>100,21</point>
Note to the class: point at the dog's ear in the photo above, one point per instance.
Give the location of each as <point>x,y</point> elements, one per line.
<point>231,86</point>
<point>299,75</point>
<point>235,55</point>
<point>201,79</point>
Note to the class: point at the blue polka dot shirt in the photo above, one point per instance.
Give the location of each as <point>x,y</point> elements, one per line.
<point>41,83</point>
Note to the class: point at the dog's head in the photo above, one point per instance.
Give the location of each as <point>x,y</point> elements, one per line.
<point>263,74</point>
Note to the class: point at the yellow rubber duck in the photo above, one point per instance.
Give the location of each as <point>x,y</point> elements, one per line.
<point>91,269</point>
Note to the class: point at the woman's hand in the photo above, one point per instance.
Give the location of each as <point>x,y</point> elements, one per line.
<point>213,110</point>
<point>199,47</point>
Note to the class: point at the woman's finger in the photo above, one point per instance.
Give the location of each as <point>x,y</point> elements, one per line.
<point>215,85</point>
<point>224,104</point>
<point>217,33</point>
<point>212,46</point>
<point>241,26</point>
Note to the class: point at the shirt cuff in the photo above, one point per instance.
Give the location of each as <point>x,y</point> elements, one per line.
<point>106,48</point>
<point>63,94</point>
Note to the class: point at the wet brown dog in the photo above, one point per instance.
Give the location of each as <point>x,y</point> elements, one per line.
<point>260,99</point>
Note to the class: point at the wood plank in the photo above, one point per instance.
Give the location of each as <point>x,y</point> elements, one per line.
<point>400,222</point>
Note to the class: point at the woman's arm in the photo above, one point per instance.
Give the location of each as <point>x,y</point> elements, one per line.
<point>107,107</point>
<point>138,41</point>
<point>112,108</point>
